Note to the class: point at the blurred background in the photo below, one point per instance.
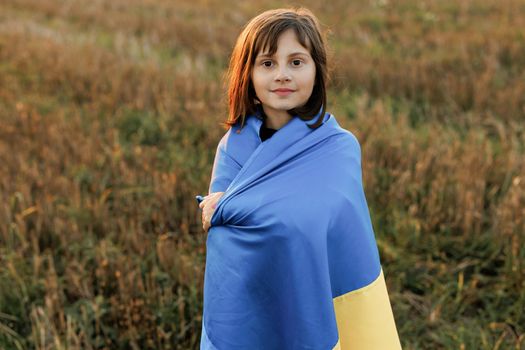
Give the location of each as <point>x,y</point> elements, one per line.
<point>109,122</point>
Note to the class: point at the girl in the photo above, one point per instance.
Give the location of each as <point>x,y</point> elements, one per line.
<point>291,261</point>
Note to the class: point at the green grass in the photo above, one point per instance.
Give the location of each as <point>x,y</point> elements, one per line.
<point>110,121</point>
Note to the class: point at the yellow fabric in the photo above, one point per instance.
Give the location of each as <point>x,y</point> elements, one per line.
<point>365,320</point>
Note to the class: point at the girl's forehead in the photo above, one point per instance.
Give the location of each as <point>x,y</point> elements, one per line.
<point>288,52</point>
<point>290,40</point>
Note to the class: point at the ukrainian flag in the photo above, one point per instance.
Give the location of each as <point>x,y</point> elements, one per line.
<point>291,258</point>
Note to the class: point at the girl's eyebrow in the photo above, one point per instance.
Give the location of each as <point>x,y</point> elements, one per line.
<point>292,54</point>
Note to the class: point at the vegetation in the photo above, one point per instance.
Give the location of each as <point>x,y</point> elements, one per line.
<point>109,121</point>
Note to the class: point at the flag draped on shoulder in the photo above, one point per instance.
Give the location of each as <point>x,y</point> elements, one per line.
<point>291,257</point>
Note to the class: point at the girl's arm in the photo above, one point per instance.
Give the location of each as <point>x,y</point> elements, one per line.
<point>225,167</point>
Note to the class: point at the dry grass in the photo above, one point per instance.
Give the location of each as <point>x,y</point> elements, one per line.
<point>109,122</point>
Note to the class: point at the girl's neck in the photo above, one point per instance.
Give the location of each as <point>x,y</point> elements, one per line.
<point>275,121</point>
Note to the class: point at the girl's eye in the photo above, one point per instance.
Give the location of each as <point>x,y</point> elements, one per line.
<point>295,63</point>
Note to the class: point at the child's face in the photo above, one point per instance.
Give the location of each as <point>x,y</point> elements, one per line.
<point>291,67</point>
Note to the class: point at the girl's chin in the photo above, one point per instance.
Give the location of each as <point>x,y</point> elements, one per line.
<point>283,107</point>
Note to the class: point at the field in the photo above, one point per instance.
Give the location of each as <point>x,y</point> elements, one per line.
<point>109,121</point>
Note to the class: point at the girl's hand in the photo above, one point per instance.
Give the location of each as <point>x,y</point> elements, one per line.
<point>208,205</point>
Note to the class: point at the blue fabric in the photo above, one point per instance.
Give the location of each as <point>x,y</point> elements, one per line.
<point>291,232</point>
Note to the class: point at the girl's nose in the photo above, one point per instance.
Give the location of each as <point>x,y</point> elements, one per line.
<point>282,75</point>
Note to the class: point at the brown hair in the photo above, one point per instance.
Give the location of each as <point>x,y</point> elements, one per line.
<point>262,32</point>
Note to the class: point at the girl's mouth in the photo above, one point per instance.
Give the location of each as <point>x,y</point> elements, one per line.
<point>282,92</point>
